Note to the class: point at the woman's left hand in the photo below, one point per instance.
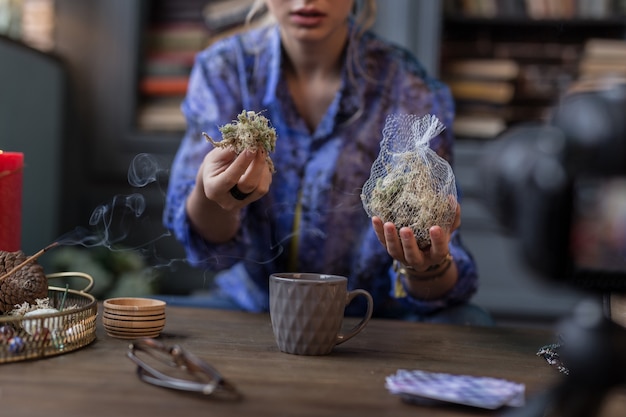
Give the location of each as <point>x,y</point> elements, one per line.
<point>403,246</point>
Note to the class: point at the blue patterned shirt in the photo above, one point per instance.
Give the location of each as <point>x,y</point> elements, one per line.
<point>320,173</point>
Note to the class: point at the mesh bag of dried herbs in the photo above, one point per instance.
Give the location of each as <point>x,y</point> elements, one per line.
<point>409,184</point>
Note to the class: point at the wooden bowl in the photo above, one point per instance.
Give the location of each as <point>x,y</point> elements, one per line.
<point>133,305</point>
<point>133,317</point>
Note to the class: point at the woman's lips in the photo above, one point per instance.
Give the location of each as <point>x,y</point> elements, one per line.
<point>307,17</point>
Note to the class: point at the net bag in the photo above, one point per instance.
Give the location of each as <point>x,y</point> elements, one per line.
<point>409,184</point>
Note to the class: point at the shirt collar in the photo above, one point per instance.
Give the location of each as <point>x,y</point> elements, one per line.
<point>350,93</point>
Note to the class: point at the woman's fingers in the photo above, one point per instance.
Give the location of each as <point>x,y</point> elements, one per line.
<point>402,245</point>
<point>257,176</point>
<point>439,244</point>
<point>377,224</point>
<point>238,168</point>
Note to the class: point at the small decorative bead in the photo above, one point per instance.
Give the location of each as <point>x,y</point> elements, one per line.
<point>16,344</point>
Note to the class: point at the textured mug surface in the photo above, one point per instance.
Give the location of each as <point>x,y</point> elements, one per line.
<point>307,312</point>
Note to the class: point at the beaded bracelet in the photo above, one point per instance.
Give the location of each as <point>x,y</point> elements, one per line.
<point>436,270</point>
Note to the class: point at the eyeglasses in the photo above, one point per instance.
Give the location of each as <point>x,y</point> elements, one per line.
<point>186,371</point>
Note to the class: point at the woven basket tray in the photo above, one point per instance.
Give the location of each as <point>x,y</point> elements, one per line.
<point>55,333</point>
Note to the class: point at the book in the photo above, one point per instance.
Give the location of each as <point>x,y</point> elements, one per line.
<point>603,58</point>
<point>482,89</point>
<point>177,37</point>
<point>478,126</point>
<point>601,68</point>
<point>477,90</point>
<point>161,114</point>
<point>493,69</point>
<point>164,68</point>
<point>185,58</point>
<point>166,86</point>
<point>604,49</point>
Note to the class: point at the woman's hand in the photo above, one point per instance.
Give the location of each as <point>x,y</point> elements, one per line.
<point>234,181</point>
<point>404,247</point>
<point>214,205</point>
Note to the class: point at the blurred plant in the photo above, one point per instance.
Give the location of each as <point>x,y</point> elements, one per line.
<point>116,273</point>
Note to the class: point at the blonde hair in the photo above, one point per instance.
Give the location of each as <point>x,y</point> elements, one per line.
<point>364,14</point>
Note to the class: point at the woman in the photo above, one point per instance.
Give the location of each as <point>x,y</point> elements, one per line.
<point>326,84</point>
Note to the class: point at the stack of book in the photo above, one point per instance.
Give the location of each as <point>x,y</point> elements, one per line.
<point>482,88</point>
<point>603,58</point>
<point>603,64</point>
<point>548,40</point>
<point>173,36</point>
<point>177,31</point>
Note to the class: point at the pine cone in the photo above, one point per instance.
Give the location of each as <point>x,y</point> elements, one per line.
<point>25,285</point>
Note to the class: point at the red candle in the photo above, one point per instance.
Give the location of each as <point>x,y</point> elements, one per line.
<point>11,167</point>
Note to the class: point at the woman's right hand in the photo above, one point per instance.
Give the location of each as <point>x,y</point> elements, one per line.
<point>222,170</point>
<point>212,207</point>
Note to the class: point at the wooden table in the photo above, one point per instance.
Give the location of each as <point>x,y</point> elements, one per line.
<point>98,380</point>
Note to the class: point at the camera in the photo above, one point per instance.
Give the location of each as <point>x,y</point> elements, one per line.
<point>560,188</point>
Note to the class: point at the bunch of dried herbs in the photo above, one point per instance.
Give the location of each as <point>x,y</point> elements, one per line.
<point>250,131</point>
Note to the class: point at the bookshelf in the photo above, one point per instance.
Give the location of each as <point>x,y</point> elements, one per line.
<point>508,62</point>
<point>174,33</point>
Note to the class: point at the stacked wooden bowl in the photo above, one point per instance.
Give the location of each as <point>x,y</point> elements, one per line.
<point>133,317</point>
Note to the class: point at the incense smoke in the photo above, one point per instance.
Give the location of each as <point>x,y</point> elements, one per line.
<point>122,224</point>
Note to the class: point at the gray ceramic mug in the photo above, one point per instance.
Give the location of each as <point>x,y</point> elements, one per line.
<point>307,311</point>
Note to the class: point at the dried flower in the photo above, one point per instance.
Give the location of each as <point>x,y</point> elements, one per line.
<point>40,304</point>
<point>249,132</point>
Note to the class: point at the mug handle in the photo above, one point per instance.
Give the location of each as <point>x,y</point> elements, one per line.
<point>342,337</point>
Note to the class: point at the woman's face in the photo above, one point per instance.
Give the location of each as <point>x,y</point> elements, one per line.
<point>311,20</point>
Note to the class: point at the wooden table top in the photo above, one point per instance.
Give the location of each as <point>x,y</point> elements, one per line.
<point>99,380</point>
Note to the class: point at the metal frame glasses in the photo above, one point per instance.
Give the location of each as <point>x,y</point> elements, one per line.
<point>186,371</point>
